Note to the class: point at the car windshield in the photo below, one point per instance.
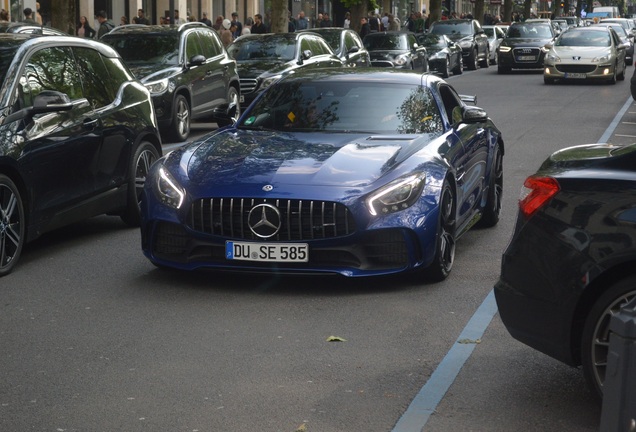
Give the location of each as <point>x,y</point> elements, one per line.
<point>137,49</point>
<point>263,49</point>
<point>490,32</point>
<point>345,106</point>
<point>431,40</point>
<point>584,39</point>
<point>384,41</point>
<point>529,31</point>
<point>463,27</point>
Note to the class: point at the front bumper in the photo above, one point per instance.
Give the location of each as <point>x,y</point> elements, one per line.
<point>600,72</point>
<point>521,58</point>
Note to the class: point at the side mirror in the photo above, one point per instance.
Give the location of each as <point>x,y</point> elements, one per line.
<point>45,102</point>
<point>227,112</point>
<point>474,115</point>
<point>196,60</point>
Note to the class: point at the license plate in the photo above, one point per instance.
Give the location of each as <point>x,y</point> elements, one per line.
<point>526,58</point>
<point>575,75</point>
<point>267,252</point>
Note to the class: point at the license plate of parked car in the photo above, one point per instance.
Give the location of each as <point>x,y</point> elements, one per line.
<point>575,75</point>
<point>267,252</point>
<point>526,58</point>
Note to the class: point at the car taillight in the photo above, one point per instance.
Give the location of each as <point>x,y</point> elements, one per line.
<point>536,192</point>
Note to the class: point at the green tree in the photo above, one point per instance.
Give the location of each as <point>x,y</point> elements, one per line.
<point>63,15</point>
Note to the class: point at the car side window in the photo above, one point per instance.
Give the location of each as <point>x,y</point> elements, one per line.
<point>318,47</point>
<point>210,44</point>
<point>349,42</point>
<point>192,46</point>
<point>452,104</point>
<point>305,45</point>
<point>98,87</point>
<point>49,69</point>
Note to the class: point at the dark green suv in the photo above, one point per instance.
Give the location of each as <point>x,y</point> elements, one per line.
<point>186,69</point>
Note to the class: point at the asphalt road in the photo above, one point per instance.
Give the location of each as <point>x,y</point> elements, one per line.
<point>94,338</point>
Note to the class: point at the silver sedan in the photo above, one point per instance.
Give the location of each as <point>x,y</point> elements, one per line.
<point>586,53</point>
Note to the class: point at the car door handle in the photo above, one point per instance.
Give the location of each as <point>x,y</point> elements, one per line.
<point>89,123</point>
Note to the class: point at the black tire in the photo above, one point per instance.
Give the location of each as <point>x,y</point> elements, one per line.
<point>502,70</point>
<point>442,264</point>
<point>12,225</point>
<point>145,155</point>
<point>232,98</point>
<point>473,64</point>
<point>459,69</point>
<point>181,118</point>
<point>612,80</point>
<point>446,69</point>
<point>621,77</point>
<point>596,334</point>
<point>492,211</point>
<point>485,63</point>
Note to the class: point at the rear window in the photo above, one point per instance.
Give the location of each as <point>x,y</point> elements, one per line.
<point>465,28</point>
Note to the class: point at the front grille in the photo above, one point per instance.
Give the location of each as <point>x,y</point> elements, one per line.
<point>526,54</point>
<point>170,240</point>
<point>572,68</point>
<point>300,220</point>
<point>248,85</point>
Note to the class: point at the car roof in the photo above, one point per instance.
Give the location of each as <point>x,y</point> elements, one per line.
<point>154,28</point>
<point>392,76</point>
<point>15,27</point>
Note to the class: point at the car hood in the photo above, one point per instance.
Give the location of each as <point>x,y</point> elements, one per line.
<point>580,53</point>
<point>234,157</point>
<point>153,72</point>
<point>525,42</point>
<point>256,68</point>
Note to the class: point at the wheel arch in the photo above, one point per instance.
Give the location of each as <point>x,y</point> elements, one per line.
<point>590,295</point>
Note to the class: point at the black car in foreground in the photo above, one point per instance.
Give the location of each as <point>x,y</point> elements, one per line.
<point>524,46</point>
<point>571,263</point>
<point>186,69</point>
<point>78,134</point>
<point>263,59</point>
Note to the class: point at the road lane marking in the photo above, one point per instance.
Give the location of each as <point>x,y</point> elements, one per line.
<point>425,402</point>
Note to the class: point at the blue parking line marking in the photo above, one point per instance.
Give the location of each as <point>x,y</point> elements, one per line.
<point>425,402</point>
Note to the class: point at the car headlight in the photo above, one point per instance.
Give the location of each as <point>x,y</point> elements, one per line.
<point>157,87</point>
<point>167,190</point>
<point>269,81</point>
<point>552,57</point>
<point>504,49</point>
<point>401,59</point>
<point>396,196</point>
<point>466,43</point>
<point>602,59</point>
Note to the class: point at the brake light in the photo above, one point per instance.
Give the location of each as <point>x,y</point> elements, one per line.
<point>536,192</point>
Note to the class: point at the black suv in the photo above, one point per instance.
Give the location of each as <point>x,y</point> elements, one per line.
<point>186,68</point>
<point>470,36</point>
<point>523,47</point>
<point>77,135</point>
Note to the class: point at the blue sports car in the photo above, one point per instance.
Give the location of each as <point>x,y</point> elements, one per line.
<point>349,171</point>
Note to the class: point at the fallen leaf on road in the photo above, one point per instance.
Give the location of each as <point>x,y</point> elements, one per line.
<point>335,339</point>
